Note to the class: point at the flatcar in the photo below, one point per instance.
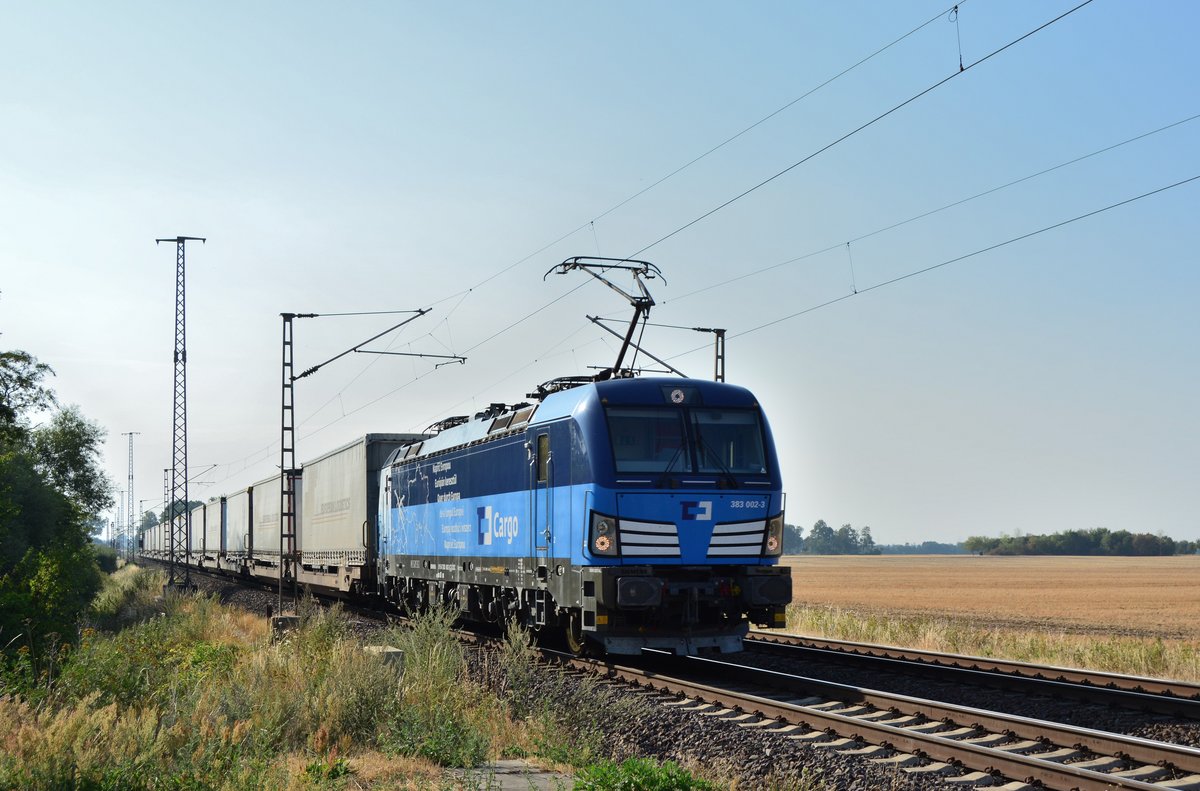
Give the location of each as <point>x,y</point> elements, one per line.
<point>627,514</point>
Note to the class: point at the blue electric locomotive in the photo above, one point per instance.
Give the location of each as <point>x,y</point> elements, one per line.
<point>626,513</point>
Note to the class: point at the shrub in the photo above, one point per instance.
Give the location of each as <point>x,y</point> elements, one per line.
<point>106,558</point>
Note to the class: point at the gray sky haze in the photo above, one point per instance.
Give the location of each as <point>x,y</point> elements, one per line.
<point>392,156</point>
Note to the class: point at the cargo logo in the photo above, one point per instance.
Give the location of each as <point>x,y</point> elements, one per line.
<point>694,511</point>
<point>493,525</point>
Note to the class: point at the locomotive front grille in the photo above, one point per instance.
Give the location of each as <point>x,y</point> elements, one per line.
<point>737,540</point>
<point>650,539</point>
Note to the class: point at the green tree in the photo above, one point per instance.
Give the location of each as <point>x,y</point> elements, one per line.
<point>21,388</point>
<point>68,455</point>
<point>846,540</point>
<point>866,544</point>
<point>50,488</point>
<point>982,545</point>
<point>178,508</point>
<point>1118,542</point>
<point>821,539</point>
<point>793,539</point>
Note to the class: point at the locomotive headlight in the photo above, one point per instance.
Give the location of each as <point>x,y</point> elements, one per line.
<point>773,543</point>
<point>602,538</point>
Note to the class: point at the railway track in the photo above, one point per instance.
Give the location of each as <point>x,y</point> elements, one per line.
<point>933,743</point>
<point>1159,696</point>
<point>954,744</point>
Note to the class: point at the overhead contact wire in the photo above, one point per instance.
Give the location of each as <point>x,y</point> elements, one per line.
<point>771,115</point>
<point>690,163</point>
<point>932,212</point>
<point>948,262</point>
<point>858,129</point>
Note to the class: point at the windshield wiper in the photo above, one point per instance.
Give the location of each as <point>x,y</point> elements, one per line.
<point>730,481</point>
<point>662,480</point>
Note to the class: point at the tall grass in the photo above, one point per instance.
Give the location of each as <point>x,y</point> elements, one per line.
<point>197,697</point>
<point>569,721</point>
<point>1176,659</point>
<point>130,594</point>
<point>442,713</point>
<point>181,692</point>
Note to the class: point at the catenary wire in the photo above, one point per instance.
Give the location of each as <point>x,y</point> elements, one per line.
<point>774,113</point>
<point>591,223</point>
<point>856,130</point>
<point>948,262</point>
<point>931,212</point>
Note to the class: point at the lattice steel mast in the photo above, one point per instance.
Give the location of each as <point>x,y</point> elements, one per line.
<point>181,523</point>
<point>132,521</point>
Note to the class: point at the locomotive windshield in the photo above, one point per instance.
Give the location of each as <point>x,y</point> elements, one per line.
<point>685,440</point>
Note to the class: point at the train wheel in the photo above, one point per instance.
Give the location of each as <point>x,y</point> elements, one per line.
<point>577,644</point>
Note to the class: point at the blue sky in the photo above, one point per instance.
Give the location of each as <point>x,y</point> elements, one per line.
<point>388,156</point>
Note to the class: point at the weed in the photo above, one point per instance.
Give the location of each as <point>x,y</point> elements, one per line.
<point>328,769</point>
<point>439,713</point>
<point>638,774</point>
<point>567,717</point>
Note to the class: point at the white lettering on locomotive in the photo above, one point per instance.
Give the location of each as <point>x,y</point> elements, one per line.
<point>494,525</point>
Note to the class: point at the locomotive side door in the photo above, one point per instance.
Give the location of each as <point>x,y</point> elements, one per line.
<point>541,510</point>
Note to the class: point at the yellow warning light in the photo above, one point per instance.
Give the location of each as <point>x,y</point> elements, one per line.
<point>603,543</point>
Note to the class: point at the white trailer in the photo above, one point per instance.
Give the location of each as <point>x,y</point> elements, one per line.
<point>340,500</point>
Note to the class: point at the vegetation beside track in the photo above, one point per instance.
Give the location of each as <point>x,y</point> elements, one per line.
<point>1143,656</point>
<point>182,692</point>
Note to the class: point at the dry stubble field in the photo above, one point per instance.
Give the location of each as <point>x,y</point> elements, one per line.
<point>1131,614</point>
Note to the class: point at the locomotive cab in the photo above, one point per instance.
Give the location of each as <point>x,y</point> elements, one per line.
<point>687,524</point>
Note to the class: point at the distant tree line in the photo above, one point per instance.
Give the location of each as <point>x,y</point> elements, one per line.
<point>825,540</point>
<point>1097,541</point>
<point>847,540</point>
<point>924,548</point>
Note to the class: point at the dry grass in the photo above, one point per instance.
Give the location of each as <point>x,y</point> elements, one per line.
<point>1131,615</point>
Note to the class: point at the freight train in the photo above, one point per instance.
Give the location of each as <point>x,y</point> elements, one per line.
<point>622,514</point>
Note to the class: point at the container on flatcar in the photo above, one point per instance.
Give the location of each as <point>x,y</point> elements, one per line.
<point>264,526</point>
<point>339,504</point>
<point>214,533</point>
<point>236,529</point>
<point>196,535</point>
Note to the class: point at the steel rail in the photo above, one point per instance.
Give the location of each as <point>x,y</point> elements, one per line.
<point>976,757</point>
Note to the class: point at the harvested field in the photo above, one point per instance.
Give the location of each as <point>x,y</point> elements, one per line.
<point>1132,615</point>
<point>1148,597</point>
